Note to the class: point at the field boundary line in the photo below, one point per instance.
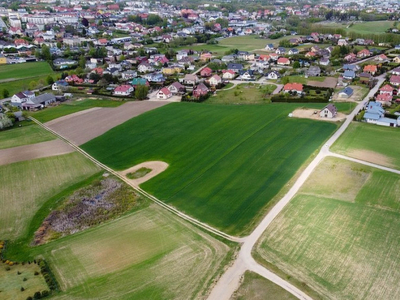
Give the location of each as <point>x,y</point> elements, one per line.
<point>141,191</point>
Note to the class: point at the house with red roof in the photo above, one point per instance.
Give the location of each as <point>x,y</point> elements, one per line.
<point>206,56</point>
<point>293,87</point>
<point>363,53</point>
<point>206,72</point>
<point>102,42</point>
<point>164,94</point>
<point>228,74</point>
<point>350,57</point>
<point>215,80</point>
<point>372,69</point>
<point>385,99</point>
<point>283,61</point>
<point>74,79</point>
<point>200,90</point>
<point>123,90</point>
<point>386,89</point>
<point>394,80</point>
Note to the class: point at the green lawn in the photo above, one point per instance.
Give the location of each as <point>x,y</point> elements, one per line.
<point>216,49</point>
<point>339,235</point>
<point>29,133</point>
<point>255,287</point>
<point>19,85</point>
<point>246,93</point>
<point>11,282</point>
<point>371,27</point>
<point>251,42</point>
<point>18,71</point>
<point>26,186</point>
<point>51,113</point>
<point>149,254</point>
<point>226,161</point>
<point>303,80</point>
<point>376,144</point>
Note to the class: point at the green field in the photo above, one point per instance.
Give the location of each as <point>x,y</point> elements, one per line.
<point>303,80</point>
<point>150,254</point>
<point>18,71</point>
<point>226,162</point>
<point>51,113</point>
<point>19,85</point>
<point>28,134</point>
<point>243,94</point>
<point>11,282</point>
<point>376,144</point>
<point>371,27</point>
<point>339,235</point>
<point>255,287</point>
<point>251,42</point>
<point>26,186</point>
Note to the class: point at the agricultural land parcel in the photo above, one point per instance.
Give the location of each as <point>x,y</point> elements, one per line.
<point>29,133</point>
<point>149,254</point>
<point>376,144</point>
<point>255,287</point>
<point>27,185</point>
<point>340,233</point>
<point>373,27</point>
<point>226,162</point>
<point>71,107</point>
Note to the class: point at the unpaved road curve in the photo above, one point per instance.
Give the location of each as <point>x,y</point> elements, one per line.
<point>34,151</point>
<point>84,126</point>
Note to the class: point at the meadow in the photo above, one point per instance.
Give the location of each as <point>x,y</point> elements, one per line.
<point>376,144</point>
<point>149,254</point>
<point>226,163</point>
<point>339,235</point>
<point>371,27</point>
<point>28,133</point>
<point>27,185</point>
<point>256,287</point>
<point>18,71</point>
<point>69,107</point>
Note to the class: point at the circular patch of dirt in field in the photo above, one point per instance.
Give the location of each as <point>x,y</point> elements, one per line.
<point>308,113</point>
<point>156,168</point>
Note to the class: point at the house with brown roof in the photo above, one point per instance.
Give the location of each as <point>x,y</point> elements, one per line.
<point>329,111</point>
<point>189,79</point>
<point>176,88</point>
<point>200,90</point>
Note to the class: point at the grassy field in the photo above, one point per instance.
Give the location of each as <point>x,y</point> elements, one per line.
<point>231,160</point>
<point>243,94</point>
<point>27,185</point>
<point>29,133</point>
<point>18,71</point>
<point>376,144</point>
<point>371,27</point>
<point>11,282</point>
<point>251,42</point>
<point>70,107</point>
<point>339,235</point>
<point>255,287</point>
<point>150,254</point>
<point>19,85</point>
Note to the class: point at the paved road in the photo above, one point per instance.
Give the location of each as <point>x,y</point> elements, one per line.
<point>226,285</point>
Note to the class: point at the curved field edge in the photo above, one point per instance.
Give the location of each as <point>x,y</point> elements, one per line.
<point>148,254</point>
<point>338,239</point>
<point>226,162</point>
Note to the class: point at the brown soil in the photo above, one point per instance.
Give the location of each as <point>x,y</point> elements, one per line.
<point>83,126</point>
<point>39,150</point>
<point>372,157</point>
<point>156,168</point>
<point>329,82</point>
<point>310,114</point>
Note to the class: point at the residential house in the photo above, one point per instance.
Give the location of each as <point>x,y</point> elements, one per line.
<point>215,80</point>
<point>363,53</point>
<point>246,75</point>
<point>293,87</point>
<point>206,56</point>
<point>274,56</point>
<point>164,94</point>
<point>38,102</point>
<point>63,63</point>
<point>228,74</point>
<point>342,42</point>
<point>129,74</point>
<point>396,71</point>
<point>21,97</point>
<point>375,114</point>
<point>283,61</point>
<point>329,111</point>
<point>280,51</point>
<point>190,79</point>
<point>244,55</point>
<point>264,57</point>
<point>350,57</point>
<point>384,99</point>
<point>235,67</point>
<point>176,88</point>
<point>386,89</point>
<point>169,71</point>
<point>139,81</point>
<point>372,69</point>
<point>154,77</point>
<point>313,71</point>
<point>59,85</point>
<point>381,58</point>
<point>228,58</point>
<point>354,68</point>
<point>200,90</point>
<point>324,61</point>
<point>145,67</point>
<point>273,75</point>
<point>395,80</point>
<point>123,90</point>
<point>347,92</point>
<point>293,51</point>
<point>206,72</point>
<point>349,75</point>
<point>310,54</point>
<point>396,59</point>
<point>269,47</point>
<point>365,77</point>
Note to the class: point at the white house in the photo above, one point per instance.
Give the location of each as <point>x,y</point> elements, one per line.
<point>229,74</point>
<point>329,111</point>
<point>22,97</point>
<point>145,67</point>
<point>273,75</point>
<point>123,90</point>
<point>59,85</point>
<point>215,80</point>
<point>164,94</point>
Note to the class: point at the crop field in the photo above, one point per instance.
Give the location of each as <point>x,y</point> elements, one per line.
<point>19,71</point>
<point>371,27</point>
<point>11,282</point>
<point>25,135</point>
<point>251,42</point>
<point>26,186</point>
<point>255,287</point>
<point>70,107</point>
<point>226,162</point>
<point>243,94</point>
<point>376,144</point>
<point>150,254</point>
<point>339,235</point>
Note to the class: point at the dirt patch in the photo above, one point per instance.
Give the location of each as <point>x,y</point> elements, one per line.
<point>310,114</point>
<point>329,82</point>
<point>358,94</point>
<point>83,127</point>
<point>34,151</point>
<point>156,168</point>
<point>372,157</point>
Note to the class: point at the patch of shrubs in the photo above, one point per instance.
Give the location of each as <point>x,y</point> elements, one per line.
<point>48,276</point>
